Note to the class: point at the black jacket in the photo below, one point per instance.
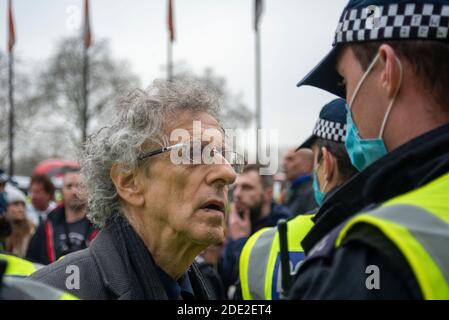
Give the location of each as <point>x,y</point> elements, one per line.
<point>103,274</point>
<point>341,274</point>
<point>38,249</point>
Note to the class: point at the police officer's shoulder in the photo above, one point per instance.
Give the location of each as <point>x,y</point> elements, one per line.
<point>257,234</point>
<point>326,246</point>
<point>330,269</point>
<point>346,273</point>
<point>357,230</point>
<point>364,240</point>
<point>309,213</point>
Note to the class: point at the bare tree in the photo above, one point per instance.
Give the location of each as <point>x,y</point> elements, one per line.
<point>61,85</point>
<point>235,113</point>
<point>25,107</point>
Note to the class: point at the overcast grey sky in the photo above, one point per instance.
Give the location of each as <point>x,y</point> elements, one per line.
<point>218,34</point>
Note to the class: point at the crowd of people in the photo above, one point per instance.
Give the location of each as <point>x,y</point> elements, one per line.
<point>37,228</point>
<point>41,230</point>
<point>362,213</point>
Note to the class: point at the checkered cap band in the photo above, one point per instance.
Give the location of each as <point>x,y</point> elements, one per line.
<point>329,130</point>
<point>394,22</point>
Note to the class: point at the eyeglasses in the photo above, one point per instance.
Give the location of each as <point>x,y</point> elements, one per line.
<point>186,153</point>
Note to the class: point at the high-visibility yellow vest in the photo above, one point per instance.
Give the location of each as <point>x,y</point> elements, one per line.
<point>37,290</point>
<point>16,271</point>
<point>18,267</point>
<point>260,272</point>
<point>417,223</point>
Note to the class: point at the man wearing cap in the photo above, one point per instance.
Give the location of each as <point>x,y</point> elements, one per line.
<point>384,234</point>
<point>331,164</point>
<point>260,258</point>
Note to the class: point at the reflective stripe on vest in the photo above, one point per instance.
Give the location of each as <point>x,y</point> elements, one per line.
<point>418,224</point>
<point>18,267</point>
<point>37,290</point>
<point>260,272</point>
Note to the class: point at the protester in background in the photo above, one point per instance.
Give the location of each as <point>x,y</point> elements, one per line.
<point>156,213</point>
<point>252,209</point>
<point>41,191</point>
<point>66,228</point>
<point>21,227</point>
<point>298,167</point>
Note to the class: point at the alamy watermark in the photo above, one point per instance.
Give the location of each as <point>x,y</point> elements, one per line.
<point>372,282</point>
<point>72,282</point>
<point>235,147</point>
<point>373,14</point>
<point>74,19</point>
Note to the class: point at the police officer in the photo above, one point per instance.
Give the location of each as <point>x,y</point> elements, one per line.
<point>383,235</point>
<point>261,261</point>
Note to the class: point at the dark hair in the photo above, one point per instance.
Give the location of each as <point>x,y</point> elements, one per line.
<point>429,61</point>
<point>338,150</point>
<point>45,182</point>
<point>267,180</point>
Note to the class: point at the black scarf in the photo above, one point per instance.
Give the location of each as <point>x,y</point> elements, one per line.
<point>144,280</point>
<point>409,167</point>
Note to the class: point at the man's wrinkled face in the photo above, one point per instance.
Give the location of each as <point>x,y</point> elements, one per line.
<point>248,191</point>
<point>368,108</point>
<point>39,198</point>
<point>70,192</point>
<point>189,199</point>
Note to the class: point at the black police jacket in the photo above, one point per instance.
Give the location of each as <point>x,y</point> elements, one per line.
<point>341,274</point>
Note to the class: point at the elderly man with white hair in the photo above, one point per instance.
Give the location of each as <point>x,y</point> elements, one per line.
<point>156,213</point>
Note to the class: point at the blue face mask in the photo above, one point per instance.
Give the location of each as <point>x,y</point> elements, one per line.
<point>364,152</point>
<point>319,196</point>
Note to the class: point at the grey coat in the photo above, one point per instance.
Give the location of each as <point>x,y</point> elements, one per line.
<point>102,273</point>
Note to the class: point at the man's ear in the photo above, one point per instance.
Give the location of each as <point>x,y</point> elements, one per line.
<point>127,187</point>
<point>329,164</point>
<point>391,73</point>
